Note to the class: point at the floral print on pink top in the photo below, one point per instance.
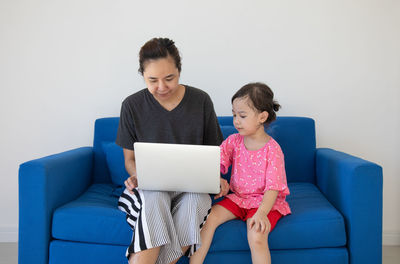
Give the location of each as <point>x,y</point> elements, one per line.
<point>255,172</point>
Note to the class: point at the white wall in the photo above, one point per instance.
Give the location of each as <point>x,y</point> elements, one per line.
<point>65,63</point>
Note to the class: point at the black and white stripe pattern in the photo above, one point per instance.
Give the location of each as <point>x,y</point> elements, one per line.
<point>133,205</point>
<point>171,220</point>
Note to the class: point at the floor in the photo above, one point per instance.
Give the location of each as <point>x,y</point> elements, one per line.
<point>8,254</point>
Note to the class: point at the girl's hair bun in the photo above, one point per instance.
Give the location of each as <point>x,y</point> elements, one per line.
<point>261,98</point>
<point>276,106</point>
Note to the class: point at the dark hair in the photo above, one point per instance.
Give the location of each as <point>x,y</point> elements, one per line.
<point>261,97</point>
<point>157,48</point>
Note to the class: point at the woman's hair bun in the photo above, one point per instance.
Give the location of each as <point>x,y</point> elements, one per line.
<point>166,42</point>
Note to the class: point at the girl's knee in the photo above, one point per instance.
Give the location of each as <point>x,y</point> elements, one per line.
<point>219,215</point>
<point>257,238</point>
<point>213,219</point>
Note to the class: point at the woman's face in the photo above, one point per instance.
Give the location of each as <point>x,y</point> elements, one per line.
<point>162,78</point>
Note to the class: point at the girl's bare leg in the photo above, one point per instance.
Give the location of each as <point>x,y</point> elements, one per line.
<point>218,216</point>
<point>258,243</point>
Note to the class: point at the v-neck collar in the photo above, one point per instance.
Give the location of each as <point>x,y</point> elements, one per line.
<point>176,108</point>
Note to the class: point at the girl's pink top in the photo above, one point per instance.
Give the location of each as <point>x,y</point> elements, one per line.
<point>254,173</point>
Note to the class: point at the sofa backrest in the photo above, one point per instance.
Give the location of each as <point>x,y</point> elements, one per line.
<point>295,135</point>
<point>105,130</point>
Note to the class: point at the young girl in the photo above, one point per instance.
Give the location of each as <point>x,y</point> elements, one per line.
<point>258,181</point>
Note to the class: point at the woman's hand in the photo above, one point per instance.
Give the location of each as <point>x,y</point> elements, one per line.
<point>131,183</point>
<point>260,222</point>
<point>224,188</point>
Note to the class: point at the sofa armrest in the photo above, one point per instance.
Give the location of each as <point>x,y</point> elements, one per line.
<point>44,185</point>
<point>354,187</point>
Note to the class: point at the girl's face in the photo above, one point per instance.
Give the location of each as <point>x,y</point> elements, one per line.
<point>246,119</point>
<point>162,78</point>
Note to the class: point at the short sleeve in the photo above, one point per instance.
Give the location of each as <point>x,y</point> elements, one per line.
<point>212,130</point>
<point>275,174</point>
<point>126,134</point>
<point>227,147</point>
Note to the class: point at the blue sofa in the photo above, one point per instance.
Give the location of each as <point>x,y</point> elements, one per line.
<point>68,205</point>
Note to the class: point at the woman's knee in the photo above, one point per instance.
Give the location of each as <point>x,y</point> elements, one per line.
<point>193,204</point>
<point>159,203</point>
<point>156,198</point>
<point>196,199</point>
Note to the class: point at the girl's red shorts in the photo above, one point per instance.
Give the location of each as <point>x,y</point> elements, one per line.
<point>244,214</point>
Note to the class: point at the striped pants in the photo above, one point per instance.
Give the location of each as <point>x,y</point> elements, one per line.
<point>170,220</point>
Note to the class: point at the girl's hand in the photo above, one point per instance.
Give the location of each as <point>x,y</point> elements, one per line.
<point>260,222</point>
<point>131,183</point>
<point>224,188</point>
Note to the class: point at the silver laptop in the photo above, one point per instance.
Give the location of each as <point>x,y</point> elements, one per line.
<point>177,167</point>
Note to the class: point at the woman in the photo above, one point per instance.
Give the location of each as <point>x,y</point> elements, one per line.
<point>166,225</point>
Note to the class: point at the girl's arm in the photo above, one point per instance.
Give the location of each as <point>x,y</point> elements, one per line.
<point>227,148</point>
<point>260,220</point>
<point>224,185</point>
<point>268,201</point>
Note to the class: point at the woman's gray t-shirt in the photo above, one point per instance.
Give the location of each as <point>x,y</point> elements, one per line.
<point>192,121</point>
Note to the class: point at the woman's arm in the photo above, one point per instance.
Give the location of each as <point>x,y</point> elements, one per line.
<point>130,166</point>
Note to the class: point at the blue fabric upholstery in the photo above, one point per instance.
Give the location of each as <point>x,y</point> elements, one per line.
<point>115,163</point>
<point>296,136</point>
<point>93,218</point>
<point>314,256</point>
<point>314,222</point>
<point>105,130</point>
<point>68,205</point>
<point>354,186</point>
<point>64,252</point>
<point>44,185</point>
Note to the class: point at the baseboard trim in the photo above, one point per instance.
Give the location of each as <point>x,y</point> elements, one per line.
<point>8,234</point>
<point>391,239</point>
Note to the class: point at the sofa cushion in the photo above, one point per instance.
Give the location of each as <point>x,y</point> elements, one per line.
<point>314,222</point>
<point>115,163</point>
<point>93,217</point>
